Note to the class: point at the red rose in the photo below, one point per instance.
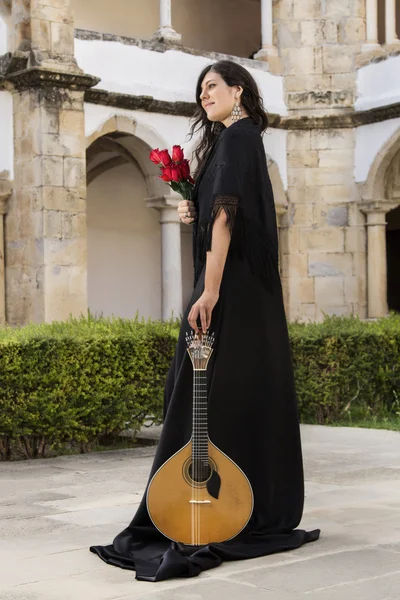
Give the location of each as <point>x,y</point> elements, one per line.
<point>160,157</point>
<point>166,174</point>
<point>177,154</point>
<point>165,158</point>
<point>176,173</point>
<point>155,156</point>
<point>185,169</point>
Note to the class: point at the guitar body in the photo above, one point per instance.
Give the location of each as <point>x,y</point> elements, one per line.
<point>181,506</point>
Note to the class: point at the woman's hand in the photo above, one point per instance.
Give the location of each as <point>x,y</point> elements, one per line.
<point>187,206</point>
<point>203,307</point>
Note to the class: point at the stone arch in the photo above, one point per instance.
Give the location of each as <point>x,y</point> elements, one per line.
<point>280,196</point>
<point>281,210</point>
<point>147,254</point>
<point>375,186</point>
<point>132,141</point>
<point>380,195</point>
<point>392,178</point>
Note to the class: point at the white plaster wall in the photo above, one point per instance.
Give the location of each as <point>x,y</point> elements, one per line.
<point>124,246</point>
<point>378,84</point>
<point>369,140</point>
<point>3,36</point>
<point>170,75</point>
<point>6,133</point>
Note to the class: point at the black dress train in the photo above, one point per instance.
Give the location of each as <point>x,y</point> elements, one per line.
<point>252,409</point>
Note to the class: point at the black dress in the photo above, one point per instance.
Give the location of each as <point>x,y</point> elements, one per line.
<point>252,410</point>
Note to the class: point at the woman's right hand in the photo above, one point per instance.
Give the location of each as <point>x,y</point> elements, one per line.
<point>187,206</point>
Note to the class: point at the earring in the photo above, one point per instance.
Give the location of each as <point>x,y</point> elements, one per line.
<point>236,112</point>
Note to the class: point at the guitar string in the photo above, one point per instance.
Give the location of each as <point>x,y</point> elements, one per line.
<point>199,440</point>
<point>194,404</point>
<point>195,441</point>
<point>194,451</point>
<point>193,457</point>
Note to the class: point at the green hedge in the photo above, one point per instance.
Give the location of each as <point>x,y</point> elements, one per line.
<point>345,364</point>
<point>79,380</point>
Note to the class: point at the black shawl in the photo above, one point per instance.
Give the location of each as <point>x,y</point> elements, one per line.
<point>235,178</point>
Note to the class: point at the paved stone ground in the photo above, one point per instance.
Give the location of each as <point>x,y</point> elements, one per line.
<point>52,510</point>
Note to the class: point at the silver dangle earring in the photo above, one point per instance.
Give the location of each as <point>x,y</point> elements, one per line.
<point>236,112</point>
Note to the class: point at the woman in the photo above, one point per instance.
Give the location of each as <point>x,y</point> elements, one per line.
<point>238,296</point>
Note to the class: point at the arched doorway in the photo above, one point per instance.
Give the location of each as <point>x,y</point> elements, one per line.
<point>392,188</point>
<point>124,245</point>
<point>393,259</point>
<point>380,202</point>
<point>139,254</point>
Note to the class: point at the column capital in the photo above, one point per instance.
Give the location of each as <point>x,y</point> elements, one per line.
<point>165,201</point>
<point>166,33</point>
<point>167,206</point>
<point>376,210</point>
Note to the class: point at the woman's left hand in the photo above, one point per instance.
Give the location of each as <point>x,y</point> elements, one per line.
<point>203,307</point>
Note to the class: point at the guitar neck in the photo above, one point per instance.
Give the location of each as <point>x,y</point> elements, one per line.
<point>200,416</point>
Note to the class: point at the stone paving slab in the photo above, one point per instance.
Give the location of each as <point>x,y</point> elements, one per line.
<point>51,511</point>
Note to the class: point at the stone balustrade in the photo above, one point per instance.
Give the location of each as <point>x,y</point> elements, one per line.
<point>390,33</point>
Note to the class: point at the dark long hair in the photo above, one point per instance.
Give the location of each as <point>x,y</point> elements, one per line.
<point>233,74</point>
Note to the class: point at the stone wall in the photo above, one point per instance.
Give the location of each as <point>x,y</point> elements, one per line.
<point>323,243</point>
<point>46,219</point>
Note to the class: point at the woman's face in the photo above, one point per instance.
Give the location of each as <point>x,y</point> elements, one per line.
<point>217,98</point>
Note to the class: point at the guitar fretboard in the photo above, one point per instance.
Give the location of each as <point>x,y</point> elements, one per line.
<point>200,417</point>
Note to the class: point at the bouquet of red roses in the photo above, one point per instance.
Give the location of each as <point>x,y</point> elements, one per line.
<point>175,170</point>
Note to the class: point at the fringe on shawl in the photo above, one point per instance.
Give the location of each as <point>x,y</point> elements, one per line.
<point>247,241</point>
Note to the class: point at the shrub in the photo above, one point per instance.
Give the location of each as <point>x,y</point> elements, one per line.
<point>344,363</point>
<point>76,381</point>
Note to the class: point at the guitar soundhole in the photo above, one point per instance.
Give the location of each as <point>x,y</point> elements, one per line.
<point>199,472</point>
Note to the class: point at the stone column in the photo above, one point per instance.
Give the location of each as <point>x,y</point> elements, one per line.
<point>5,191</point>
<point>318,43</point>
<point>268,52</point>
<point>46,220</point>
<point>372,24</point>
<point>281,211</point>
<point>165,32</point>
<point>390,22</point>
<point>376,262</point>
<point>171,262</point>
